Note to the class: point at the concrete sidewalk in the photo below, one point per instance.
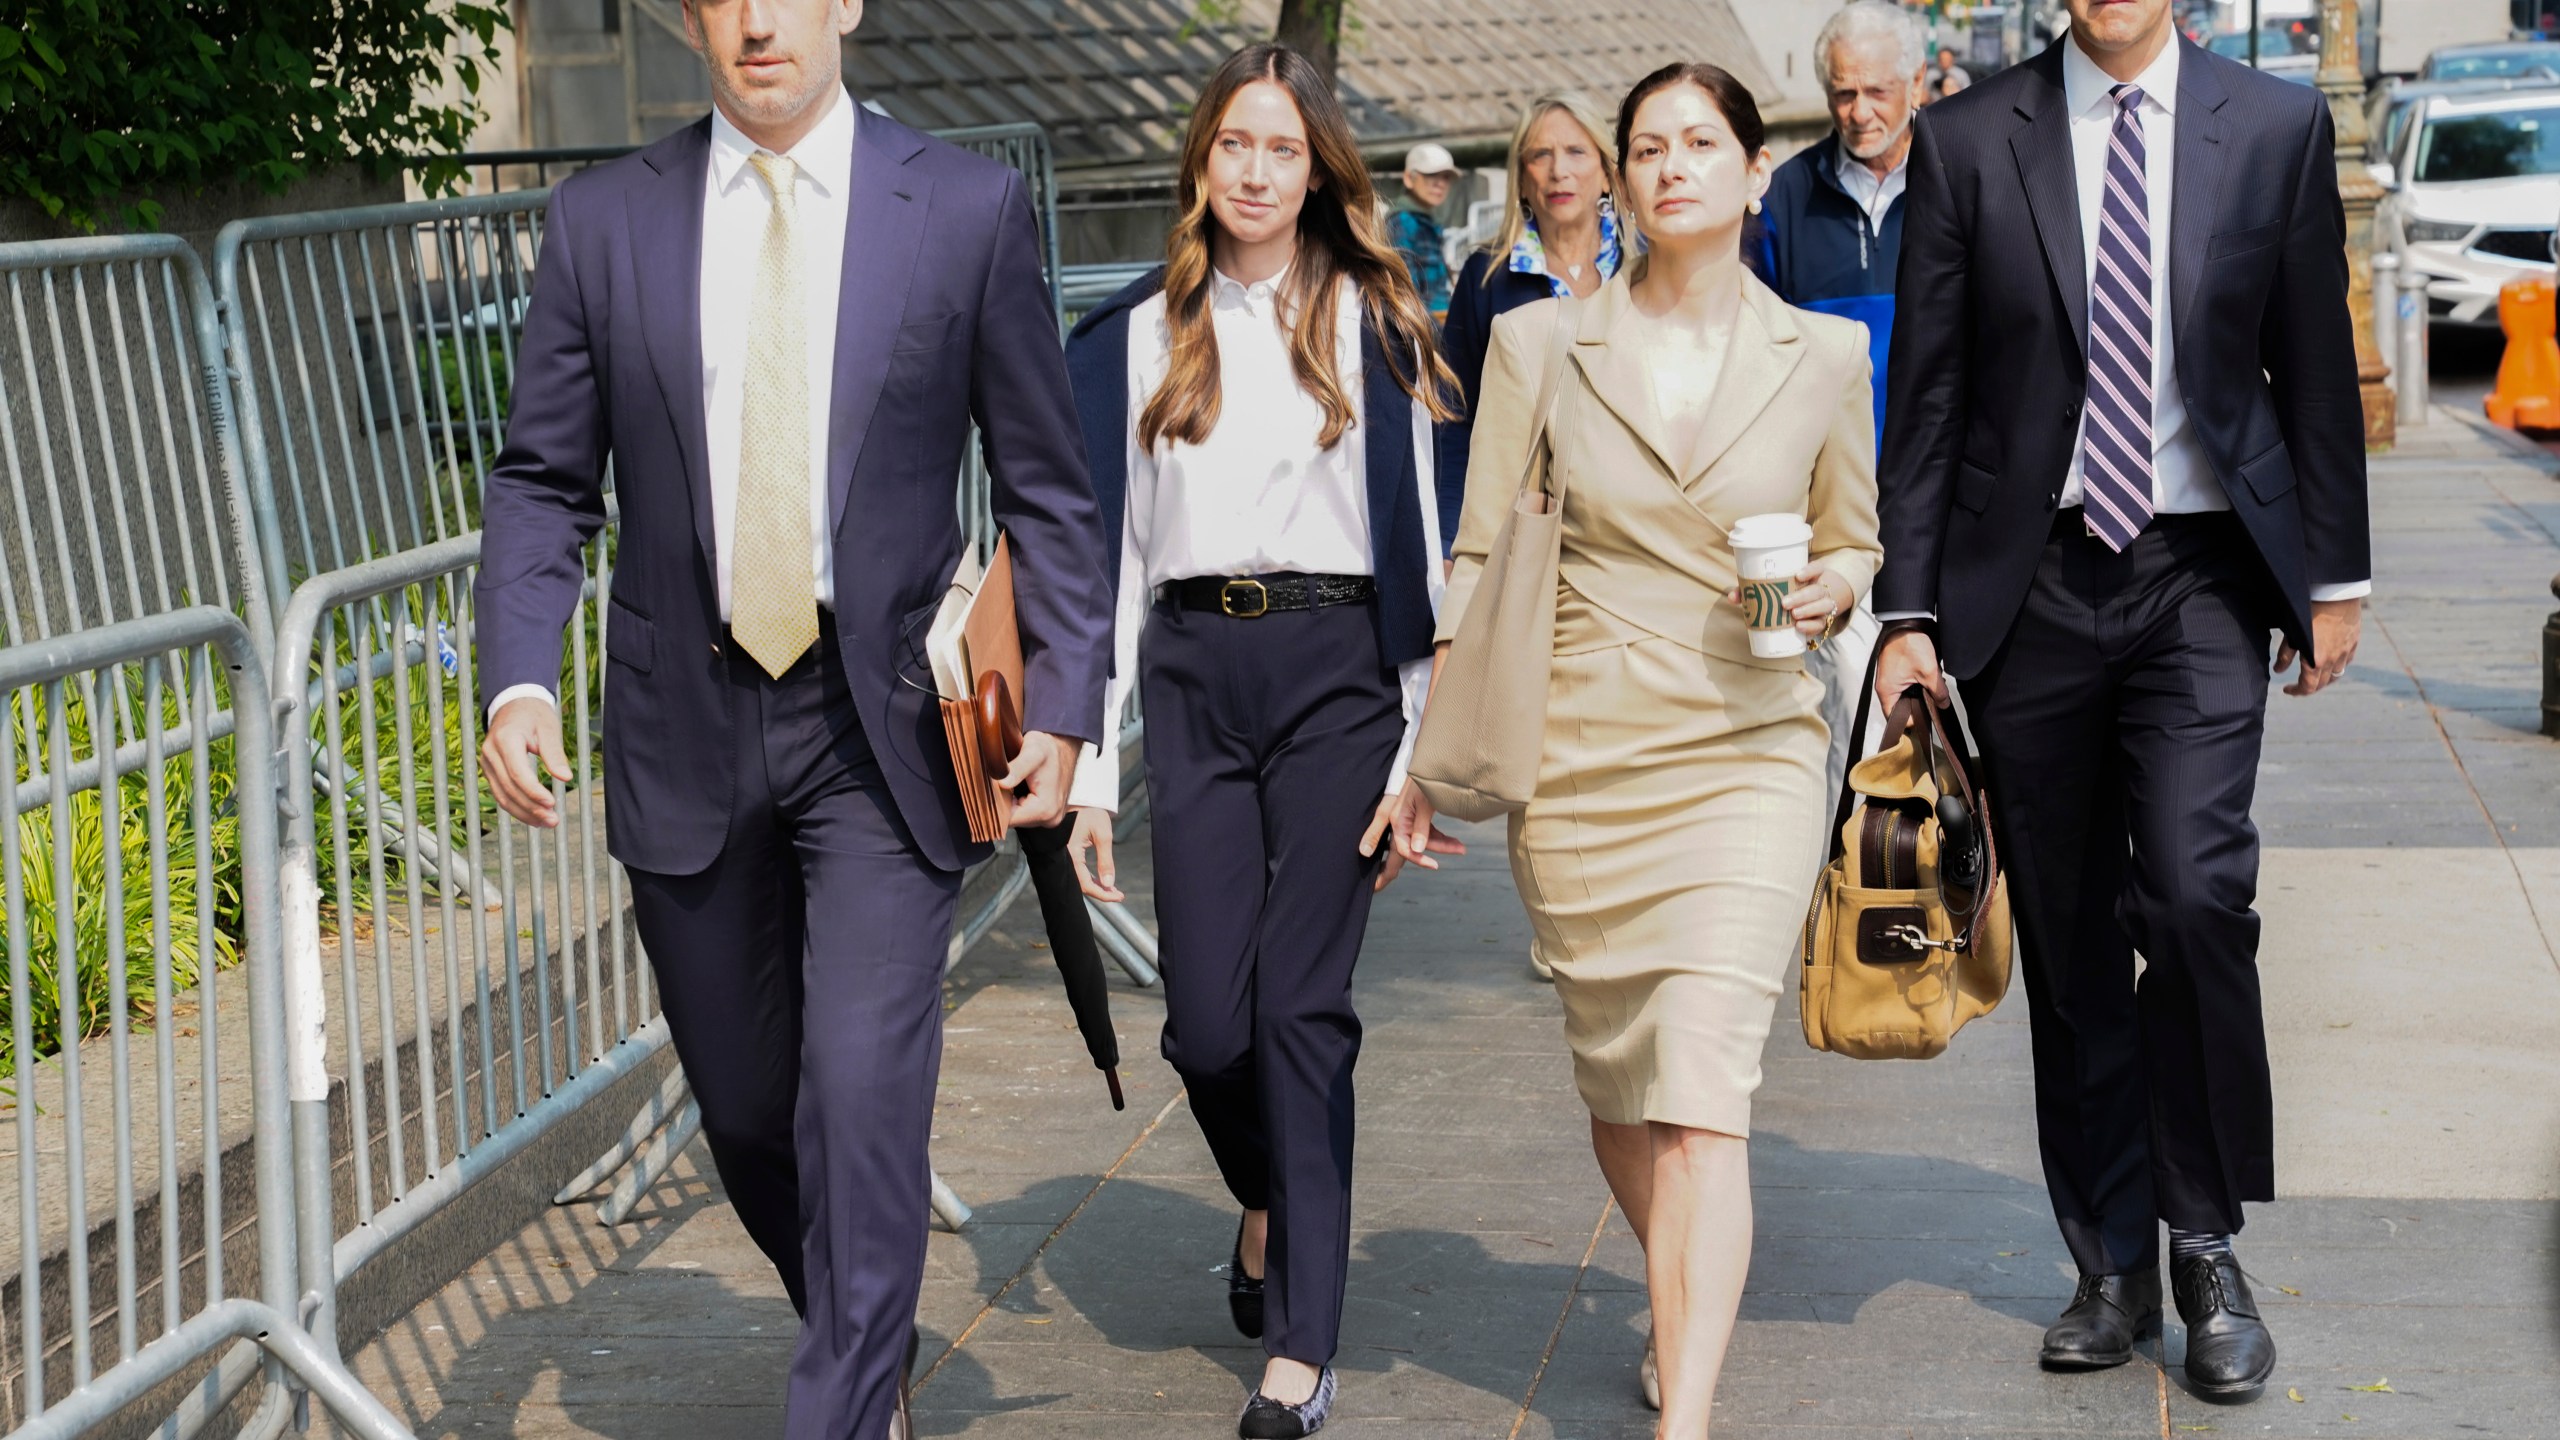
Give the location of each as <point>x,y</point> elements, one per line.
<point>1905,1261</point>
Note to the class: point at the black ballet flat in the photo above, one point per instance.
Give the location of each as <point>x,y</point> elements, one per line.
<point>1267,1419</point>
<point>1244,1293</point>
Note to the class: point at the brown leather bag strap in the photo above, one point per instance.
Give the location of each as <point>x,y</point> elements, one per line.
<point>1904,717</point>
<point>1857,752</point>
<point>1947,728</point>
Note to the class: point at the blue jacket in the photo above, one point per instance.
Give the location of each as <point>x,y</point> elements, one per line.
<point>1816,247</point>
<point>1098,370</point>
<point>1464,338</point>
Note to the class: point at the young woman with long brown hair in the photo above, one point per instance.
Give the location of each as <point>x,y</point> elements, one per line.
<point>1257,418</point>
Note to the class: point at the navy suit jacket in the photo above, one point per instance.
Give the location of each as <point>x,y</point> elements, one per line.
<point>1992,324</point>
<point>944,318</point>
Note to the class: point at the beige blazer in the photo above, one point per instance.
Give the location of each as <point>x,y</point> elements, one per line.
<point>1646,537</point>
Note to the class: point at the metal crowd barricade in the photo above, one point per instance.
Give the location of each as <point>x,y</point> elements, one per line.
<point>369,352</point>
<point>1024,146</point>
<point>138,870</point>
<point>469,1016</point>
<point>541,162</point>
<point>467,1030</point>
<point>374,355</point>
<point>373,352</point>
<point>123,495</point>
<point>481,981</point>
<point>1082,287</point>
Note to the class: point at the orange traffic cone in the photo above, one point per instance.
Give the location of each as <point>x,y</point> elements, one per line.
<point>2528,393</point>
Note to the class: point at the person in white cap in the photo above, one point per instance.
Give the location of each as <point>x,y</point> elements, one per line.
<point>1413,227</point>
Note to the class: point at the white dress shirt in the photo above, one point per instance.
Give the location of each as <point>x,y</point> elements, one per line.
<point>2182,479</point>
<point>1257,496</point>
<point>1873,195</point>
<point>735,209</point>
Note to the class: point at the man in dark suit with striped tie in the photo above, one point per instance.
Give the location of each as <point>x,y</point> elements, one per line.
<point>2123,450</point>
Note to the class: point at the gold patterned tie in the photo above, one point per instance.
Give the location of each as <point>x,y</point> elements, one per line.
<point>773,593</point>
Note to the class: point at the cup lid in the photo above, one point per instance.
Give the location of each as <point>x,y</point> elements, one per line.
<point>1765,532</point>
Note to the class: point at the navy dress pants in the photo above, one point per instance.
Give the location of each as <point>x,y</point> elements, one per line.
<point>802,977</point>
<point>2121,727</point>
<point>1269,741</point>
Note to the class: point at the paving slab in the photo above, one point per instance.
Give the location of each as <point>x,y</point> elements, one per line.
<point>1905,1258</point>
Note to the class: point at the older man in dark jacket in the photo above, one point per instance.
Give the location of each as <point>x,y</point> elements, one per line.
<point>1830,231</point>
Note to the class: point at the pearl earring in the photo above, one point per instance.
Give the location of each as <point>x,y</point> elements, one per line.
<point>1755,207</point>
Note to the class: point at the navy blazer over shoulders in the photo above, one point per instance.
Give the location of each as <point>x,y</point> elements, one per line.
<point>1464,337</point>
<point>1098,366</point>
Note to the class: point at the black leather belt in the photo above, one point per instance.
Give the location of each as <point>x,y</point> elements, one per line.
<point>1247,597</point>
<point>2073,521</point>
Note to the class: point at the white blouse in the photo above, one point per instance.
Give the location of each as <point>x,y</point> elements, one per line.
<point>1257,496</point>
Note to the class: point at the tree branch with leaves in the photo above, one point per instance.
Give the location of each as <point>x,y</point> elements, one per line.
<point>103,102</point>
<point>1313,28</point>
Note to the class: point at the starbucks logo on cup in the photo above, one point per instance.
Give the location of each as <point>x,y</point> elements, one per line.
<point>1768,553</point>
<point>1764,603</point>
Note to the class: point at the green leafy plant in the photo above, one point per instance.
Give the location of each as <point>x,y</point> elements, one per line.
<point>372,762</point>
<point>480,369</point>
<point>105,101</point>
<point>210,852</point>
<point>1313,28</point>
<point>420,625</point>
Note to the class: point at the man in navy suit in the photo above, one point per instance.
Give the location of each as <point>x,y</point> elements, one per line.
<point>778,325</point>
<point>2124,447</point>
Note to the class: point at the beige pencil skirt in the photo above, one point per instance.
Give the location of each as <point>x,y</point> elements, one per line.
<point>1666,863</point>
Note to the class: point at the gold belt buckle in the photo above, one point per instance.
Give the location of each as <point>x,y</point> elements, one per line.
<point>1253,590</point>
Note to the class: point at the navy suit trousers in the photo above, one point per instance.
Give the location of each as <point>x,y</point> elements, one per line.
<point>802,976</point>
<point>2121,725</point>
<point>1269,741</point>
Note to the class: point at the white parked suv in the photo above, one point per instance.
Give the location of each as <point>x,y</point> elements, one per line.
<point>2478,191</point>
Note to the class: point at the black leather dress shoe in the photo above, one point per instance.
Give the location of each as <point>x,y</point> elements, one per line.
<point>2229,1352</point>
<point>2108,1315</point>
<point>1244,1293</point>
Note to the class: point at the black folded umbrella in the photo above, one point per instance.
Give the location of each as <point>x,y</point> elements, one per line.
<point>1071,944</point>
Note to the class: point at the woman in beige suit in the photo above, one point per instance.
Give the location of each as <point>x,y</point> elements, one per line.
<point>1669,853</point>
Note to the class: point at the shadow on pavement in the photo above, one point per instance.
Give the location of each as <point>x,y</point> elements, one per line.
<point>1140,1271</point>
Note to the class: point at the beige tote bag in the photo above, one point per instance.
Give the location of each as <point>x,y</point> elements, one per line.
<point>1485,730</point>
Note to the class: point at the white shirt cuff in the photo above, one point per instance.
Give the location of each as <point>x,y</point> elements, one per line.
<point>1414,679</point>
<point>514,693</point>
<point>1887,617</point>
<point>1097,784</point>
<point>2351,590</point>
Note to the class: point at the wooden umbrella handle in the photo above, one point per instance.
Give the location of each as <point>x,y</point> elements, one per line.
<point>999,726</point>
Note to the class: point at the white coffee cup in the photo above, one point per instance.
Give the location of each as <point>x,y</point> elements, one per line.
<point>1768,553</point>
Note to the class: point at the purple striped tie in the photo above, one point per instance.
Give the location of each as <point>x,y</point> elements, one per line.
<point>2115,442</point>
